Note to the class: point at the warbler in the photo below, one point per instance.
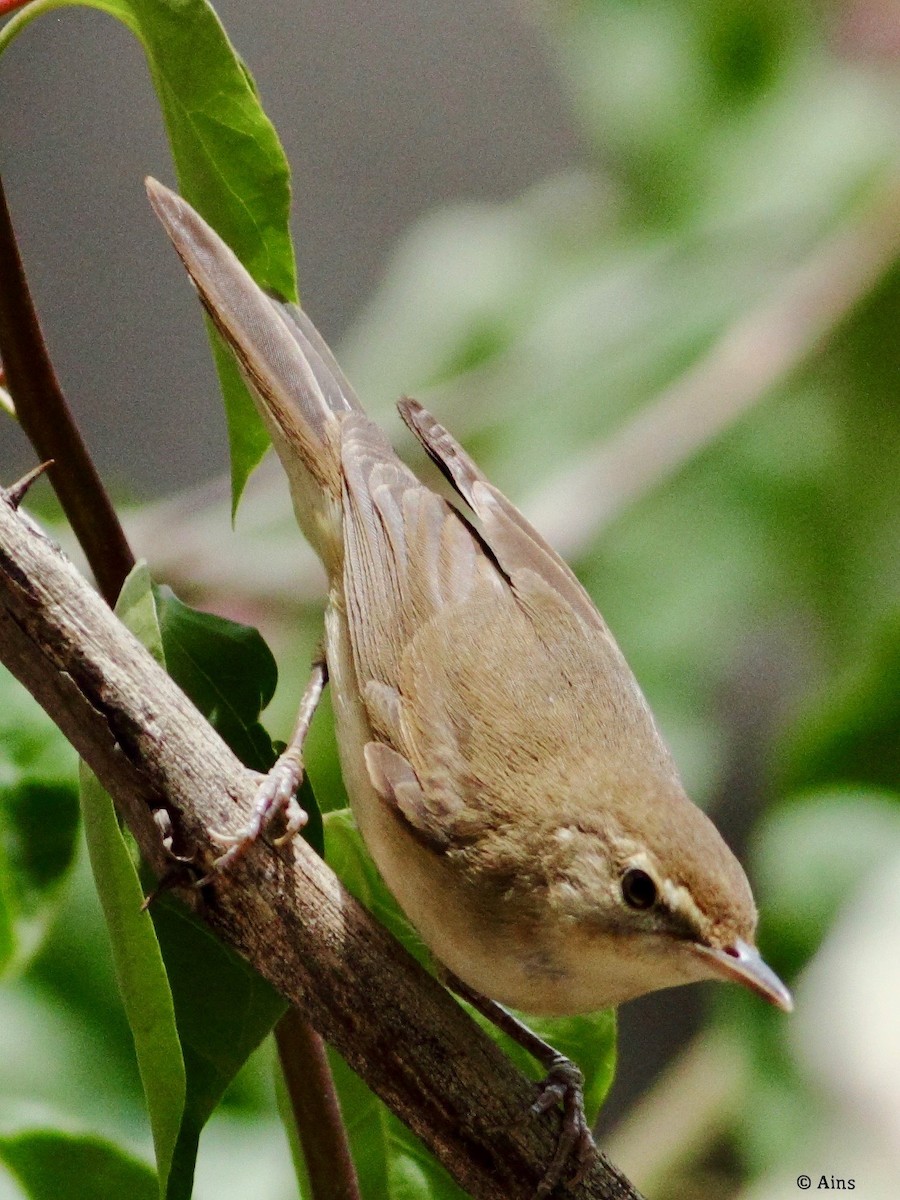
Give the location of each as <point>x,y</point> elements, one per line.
<point>503,766</point>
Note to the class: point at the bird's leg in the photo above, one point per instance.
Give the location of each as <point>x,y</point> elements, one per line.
<point>277,791</point>
<point>563,1085</point>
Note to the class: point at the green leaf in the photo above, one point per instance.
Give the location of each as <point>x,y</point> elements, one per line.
<point>38,822</point>
<point>229,161</point>
<point>222,1007</point>
<point>588,1040</point>
<point>391,1160</point>
<point>140,971</point>
<point>229,672</point>
<point>223,1010</point>
<point>136,609</point>
<point>226,669</point>
<point>51,1164</point>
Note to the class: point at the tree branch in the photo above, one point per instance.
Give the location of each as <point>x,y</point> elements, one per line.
<point>285,912</point>
<point>316,1109</point>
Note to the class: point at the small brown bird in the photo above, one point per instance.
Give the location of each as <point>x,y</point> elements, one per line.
<point>502,764</point>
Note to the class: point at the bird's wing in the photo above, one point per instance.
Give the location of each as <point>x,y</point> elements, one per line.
<point>485,668</point>
<point>410,562</point>
<point>516,544</point>
<point>331,379</point>
<point>563,615</point>
<point>409,556</point>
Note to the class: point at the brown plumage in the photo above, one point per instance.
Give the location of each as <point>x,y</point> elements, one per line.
<point>504,768</point>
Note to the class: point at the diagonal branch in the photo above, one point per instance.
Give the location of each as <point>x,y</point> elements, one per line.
<point>285,912</point>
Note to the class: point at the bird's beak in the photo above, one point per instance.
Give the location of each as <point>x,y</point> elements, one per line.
<point>742,963</point>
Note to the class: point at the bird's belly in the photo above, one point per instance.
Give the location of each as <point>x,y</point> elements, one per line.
<point>531,963</point>
<point>476,945</point>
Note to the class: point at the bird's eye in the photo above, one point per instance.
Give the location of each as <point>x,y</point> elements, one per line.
<point>638,889</point>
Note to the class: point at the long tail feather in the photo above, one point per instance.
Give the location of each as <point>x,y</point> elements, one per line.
<point>300,391</point>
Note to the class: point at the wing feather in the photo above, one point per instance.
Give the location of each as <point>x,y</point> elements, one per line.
<point>489,677</point>
<point>516,544</point>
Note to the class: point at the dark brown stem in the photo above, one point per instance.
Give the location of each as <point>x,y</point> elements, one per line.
<point>49,425</point>
<point>317,1112</point>
<point>51,428</point>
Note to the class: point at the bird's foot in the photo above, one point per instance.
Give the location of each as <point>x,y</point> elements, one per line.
<point>564,1085</point>
<point>276,795</point>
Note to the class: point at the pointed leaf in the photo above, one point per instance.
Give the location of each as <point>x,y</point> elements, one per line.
<point>226,669</point>
<point>223,1010</point>
<point>50,1164</point>
<point>140,971</point>
<point>229,161</point>
<point>229,672</point>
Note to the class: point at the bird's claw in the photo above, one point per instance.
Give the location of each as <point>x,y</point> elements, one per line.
<point>163,821</point>
<point>276,795</point>
<point>564,1085</point>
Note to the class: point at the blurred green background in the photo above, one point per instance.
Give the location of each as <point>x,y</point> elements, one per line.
<point>672,337</point>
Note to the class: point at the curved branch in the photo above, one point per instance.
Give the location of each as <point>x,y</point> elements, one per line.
<point>49,425</point>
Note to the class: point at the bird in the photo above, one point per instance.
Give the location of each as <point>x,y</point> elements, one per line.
<point>503,766</point>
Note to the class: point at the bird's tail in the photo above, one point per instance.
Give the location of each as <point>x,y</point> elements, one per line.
<point>299,389</point>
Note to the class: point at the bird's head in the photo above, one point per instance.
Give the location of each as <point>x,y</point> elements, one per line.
<point>664,901</point>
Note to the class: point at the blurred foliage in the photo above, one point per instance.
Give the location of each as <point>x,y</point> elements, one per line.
<point>755,593</point>
<point>50,1164</point>
<point>38,825</point>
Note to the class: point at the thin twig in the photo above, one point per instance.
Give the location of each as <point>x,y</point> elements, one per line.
<point>49,425</point>
<point>52,429</point>
<point>17,493</point>
<point>316,1109</point>
<point>284,910</point>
